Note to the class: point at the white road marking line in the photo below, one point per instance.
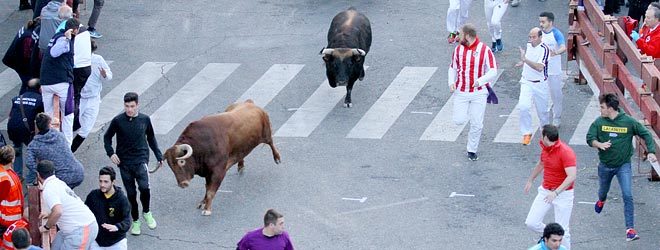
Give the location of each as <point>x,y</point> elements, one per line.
<point>190,95</point>
<point>306,118</point>
<point>271,83</point>
<point>591,112</point>
<point>454,194</point>
<point>510,131</point>
<point>587,202</point>
<point>225,191</point>
<point>139,81</point>
<point>382,206</point>
<point>389,106</point>
<point>9,80</point>
<point>361,200</point>
<point>421,112</point>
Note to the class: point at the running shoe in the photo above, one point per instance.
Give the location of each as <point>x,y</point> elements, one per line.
<point>499,45</point>
<point>631,234</point>
<point>135,228</point>
<point>515,3</point>
<point>149,218</point>
<point>599,206</point>
<point>472,156</point>
<point>95,34</point>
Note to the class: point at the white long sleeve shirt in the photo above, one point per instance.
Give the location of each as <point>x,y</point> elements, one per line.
<point>94,83</point>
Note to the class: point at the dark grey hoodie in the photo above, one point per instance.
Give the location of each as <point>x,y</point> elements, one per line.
<point>49,21</point>
<point>54,147</point>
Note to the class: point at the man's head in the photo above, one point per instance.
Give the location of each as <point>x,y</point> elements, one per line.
<point>34,85</point>
<point>65,12</point>
<point>42,122</point>
<point>550,134</point>
<point>468,35</point>
<point>107,177</point>
<point>20,237</point>
<point>274,221</point>
<point>535,36</point>
<point>45,169</point>
<point>72,24</point>
<point>652,16</point>
<point>609,105</point>
<point>131,104</point>
<point>7,155</point>
<point>546,20</point>
<point>552,235</point>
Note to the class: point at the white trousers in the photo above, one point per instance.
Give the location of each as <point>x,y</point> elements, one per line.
<point>494,12</point>
<point>89,110</point>
<point>470,106</point>
<point>61,90</point>
<point>121,245</point>
<point>539,93</point>
<point>457,14</point>
<point>555,84</point>
<point>563,206</point>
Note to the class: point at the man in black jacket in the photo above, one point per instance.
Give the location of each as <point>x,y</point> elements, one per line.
<point>134,131</point>
<point>111,209</point>
<point>20,126</point>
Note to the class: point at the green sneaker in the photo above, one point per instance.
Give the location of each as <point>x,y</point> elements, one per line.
<point>149,218</point>
<point>135,228</point>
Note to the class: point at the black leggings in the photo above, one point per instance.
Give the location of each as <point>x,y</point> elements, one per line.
<point>130,174</point>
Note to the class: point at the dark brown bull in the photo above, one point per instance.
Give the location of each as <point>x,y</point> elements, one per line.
<point>210,146</point>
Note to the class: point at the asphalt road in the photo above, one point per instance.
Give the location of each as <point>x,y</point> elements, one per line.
<point>406,181</point>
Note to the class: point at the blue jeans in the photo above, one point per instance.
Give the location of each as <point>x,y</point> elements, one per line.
<point>18,159</point>
<point>624,176</point>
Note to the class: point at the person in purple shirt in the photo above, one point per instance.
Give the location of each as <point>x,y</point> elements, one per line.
<point>270,237</point>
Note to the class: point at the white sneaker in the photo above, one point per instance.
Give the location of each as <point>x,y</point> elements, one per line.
<point>515,3</point>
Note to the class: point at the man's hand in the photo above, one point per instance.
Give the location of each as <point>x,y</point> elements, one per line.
<point>452,88</point>
<point>603,145</point>
<point>43,216</point>
<point>115,159</point>
<point>550,197</point>
<point>520,64</point>
<point>522,54</point>
<point>109,227</point>
<point>651,157</point>
<point>102,71</point>
<point>67,34</point>
<point>528,186</point>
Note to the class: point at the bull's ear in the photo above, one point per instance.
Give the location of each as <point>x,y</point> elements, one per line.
<point>327,58</point>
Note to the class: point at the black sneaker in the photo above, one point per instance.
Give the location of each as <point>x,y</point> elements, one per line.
<point>494,47</point>
<point>472,156</point>
<point>24,6</point>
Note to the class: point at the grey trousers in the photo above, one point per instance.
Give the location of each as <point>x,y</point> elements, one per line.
<point>98,5</point>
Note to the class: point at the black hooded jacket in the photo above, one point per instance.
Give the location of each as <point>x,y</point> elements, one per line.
<point>114,210</point>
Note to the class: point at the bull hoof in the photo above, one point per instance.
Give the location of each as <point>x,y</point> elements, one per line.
<point>201,205</point>
<point>240,170</point>
<point>361,78</point>
<point>206,212</point>
<point>348,105</point>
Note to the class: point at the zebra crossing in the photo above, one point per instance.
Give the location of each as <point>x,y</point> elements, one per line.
<point>373,124</point>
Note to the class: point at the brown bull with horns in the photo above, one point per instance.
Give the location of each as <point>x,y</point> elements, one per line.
<point>210,146</point>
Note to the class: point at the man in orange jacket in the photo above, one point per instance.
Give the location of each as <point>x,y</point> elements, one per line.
<point>11,192</point>
<point>649,37</point>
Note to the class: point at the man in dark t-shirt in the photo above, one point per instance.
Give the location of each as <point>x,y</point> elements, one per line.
<point>270,237</point>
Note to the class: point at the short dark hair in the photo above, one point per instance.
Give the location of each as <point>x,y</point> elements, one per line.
<point>20,237</point>
<point>552,229</point>
<point>550,131</point>
<point>610,100</point>
<point>72,23</point>
<point>45,169</point>
<point>131,97</point>
<point>549,15</point>
<point>94,46</point>
<point>271,216</point>
<point>7,154</point>
<point>107,170</point>
<point>469,29</point>
<point>42,121</point>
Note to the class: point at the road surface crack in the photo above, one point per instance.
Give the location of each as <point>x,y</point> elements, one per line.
<point>215,244</point>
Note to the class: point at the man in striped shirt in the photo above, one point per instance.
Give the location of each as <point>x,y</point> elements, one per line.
<point>533,83</point>
<point>472,69</point>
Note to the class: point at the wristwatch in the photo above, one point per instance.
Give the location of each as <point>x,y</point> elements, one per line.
<point>46,227</point>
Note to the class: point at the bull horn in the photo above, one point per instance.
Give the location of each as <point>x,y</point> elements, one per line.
<point>358,51</point>
<point>327,51</point>
<point>187,148</point>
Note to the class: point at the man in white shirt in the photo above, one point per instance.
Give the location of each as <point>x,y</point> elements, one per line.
<point>76,222</point>
<point>533,85</point>
<point>90,97</point>
<point>554,39</point>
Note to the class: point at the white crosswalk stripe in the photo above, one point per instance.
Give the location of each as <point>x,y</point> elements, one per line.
<point>139,81</point>
<point>375,123</point>
<point>190,95</point>
<point>510,132</point>
<point>271,83</point>
<point>313,111</point>
<point>389,106</point>
<point>591,112</point>
<point>8,80</point>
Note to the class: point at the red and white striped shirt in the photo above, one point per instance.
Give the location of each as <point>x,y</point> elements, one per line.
<point>470,63</point>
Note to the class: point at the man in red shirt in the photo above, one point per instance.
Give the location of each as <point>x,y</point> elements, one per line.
<point>473,69</point>
<point>649,37</point>
<point>558,164</point>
